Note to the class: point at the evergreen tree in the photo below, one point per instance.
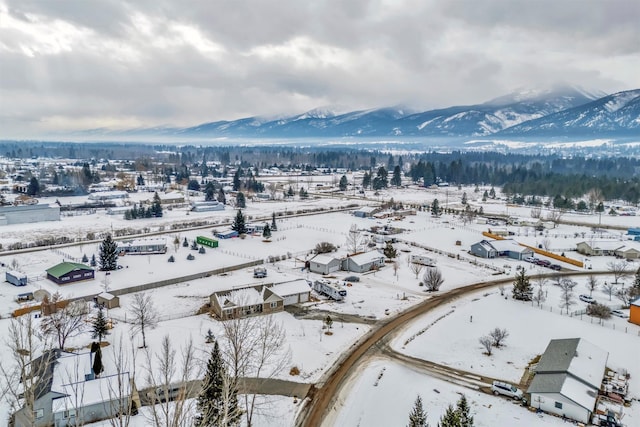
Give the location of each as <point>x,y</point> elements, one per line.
<point>343,183</point>
<point>274,227</point>
<point>241,201</point>
<point>99,327</point>
<point>239,224</point>
<point>156,206</point>
<point>34,186</point>
<point>389,251</point>
<point>303,193</point>
<point>521,285</point>
<point>396,179</point>
<point>485,196</point>
<point>366,180</point>
<point>435,208</point>
<point>140,180</point>
<point>97,359</point>
<point>222,198</point>
<point>209,192</point>
<point>466,420</point>
<point>464,198</point>
<point>290,192</point>
<point>634,291</point>
<point>85,258</point>
<point>93,262</point>
<point>216,405</point>
<point>185,243</point>
<point>451,418</point>
<point>236,180</point>
<point>492,193</point>
<point>418,416</point>
<point>266,232</point>
<point>108,254</point>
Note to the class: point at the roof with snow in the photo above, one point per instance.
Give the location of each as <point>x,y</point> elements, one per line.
<point>636,302</point>
<point>241,297</point>
<point>508,245</point>
<point>103,389</point>
<point>106,296</point>
<point>367,257</point>
<point>323,259</point>
<point>291,288</point>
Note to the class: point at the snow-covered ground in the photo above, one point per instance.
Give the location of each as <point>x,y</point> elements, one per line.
<point>452,341</point>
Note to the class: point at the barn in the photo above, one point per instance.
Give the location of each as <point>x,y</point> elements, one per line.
<point>69,272</point>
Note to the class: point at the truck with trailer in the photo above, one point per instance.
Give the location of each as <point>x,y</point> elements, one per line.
<point>333,290</point>
<point>16,278</point>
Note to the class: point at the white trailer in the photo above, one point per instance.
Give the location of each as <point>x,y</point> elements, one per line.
<point>16,278</point>
<point>333,290</point>
<point>424,260</point>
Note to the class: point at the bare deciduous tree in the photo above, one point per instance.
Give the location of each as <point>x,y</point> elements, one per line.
<point>254,347</point>
<point>165,372</point>
<point>536,212</point>
<point>592,284</point>
<point>555,216</point>
<point>498,336</point>
<point>396,267</point>
<point>24,368</point>
<point>119,390</point>
<point>624,295</point>
<point>546,243</point>
<point>539,296</point>
<point>354,239</point>
<point>566,293</point>
<point>65,322</point>
<point>433,279</point>
<point>143,315</point>
<point>416,268</point>
<point>609,288</point>
<point>618,268</point>
<point>487,344</point>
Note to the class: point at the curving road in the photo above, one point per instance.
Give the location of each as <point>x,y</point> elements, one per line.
<point>321,398</point>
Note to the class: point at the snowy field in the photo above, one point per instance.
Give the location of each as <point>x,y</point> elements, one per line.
<point>452,341</point>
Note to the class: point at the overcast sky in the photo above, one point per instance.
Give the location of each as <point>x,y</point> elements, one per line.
<point>67,65</point>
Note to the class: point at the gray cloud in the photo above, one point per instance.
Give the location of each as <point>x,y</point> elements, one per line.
<point>77,64</point>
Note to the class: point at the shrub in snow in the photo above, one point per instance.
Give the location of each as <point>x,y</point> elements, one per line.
<point>190,257</point>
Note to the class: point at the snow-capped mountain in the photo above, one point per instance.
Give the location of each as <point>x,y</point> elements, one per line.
<point>617,114</point>
<point>563,111</point>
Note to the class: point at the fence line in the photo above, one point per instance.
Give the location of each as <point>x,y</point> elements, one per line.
<point>581,314</point>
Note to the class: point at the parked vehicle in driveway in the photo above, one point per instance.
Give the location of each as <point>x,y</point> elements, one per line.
<point>543,262</point>
<point>556,267</point>
<point>506,389</point>
<point>587,299</point>
<point>530,259</point>
<point>619,313</point>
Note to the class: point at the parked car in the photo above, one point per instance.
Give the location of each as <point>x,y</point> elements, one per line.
<point>531,259</point>
<point>352,279</point>
<point>543,262</point>
<point>168,393</point>
<point>506,389</point>
<point>587,299</point>
<point>557,267</point>
<point>619,313</point>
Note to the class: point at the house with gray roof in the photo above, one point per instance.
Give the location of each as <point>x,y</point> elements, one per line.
<point>501,248</point>
<point>568,378</point>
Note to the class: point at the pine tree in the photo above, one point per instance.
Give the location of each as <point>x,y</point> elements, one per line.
<point>216,405</point>
<point>241,201</point>
<point>634,291</point>
<point>450,418</point>
<point>97,360</point>
<point>343,183</point>
<point>93,262</point>
<point>239,224</point>
<point>389,251</point>
<point>396,179</point>
<point>156,206</point>
<point>466,420</point>
<point>221,197</point>
<point>290,192</point>
<point>522,285</point>
<point>418,416</point>
<point>108,254</point>
<point>435,208</point>
<point>100,328</point>
<point>266,232</point>
<point>274,227</point>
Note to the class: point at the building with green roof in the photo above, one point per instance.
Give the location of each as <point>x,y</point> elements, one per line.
<point>69,272</point>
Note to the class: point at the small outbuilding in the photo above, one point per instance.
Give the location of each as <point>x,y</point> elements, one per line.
<point>366,211</point>
<point>634,311</point>
<point>361,263</point>
<point>70,272</point>
<point>226,234</point>
<point>107,300</point>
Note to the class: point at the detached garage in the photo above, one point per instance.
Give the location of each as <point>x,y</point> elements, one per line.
<point>324,264</point>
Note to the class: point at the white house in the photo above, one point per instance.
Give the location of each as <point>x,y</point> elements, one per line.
<point>568,378</point>
<point>293,292</point>
<point>363,262</point>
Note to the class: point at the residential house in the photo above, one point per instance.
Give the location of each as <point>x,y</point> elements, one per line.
<point>568,378</point>
<point>366,211</point>
<point>69,272</point>
<point>363,262</point>
<point>634,311</point>
<point>501,248</point>
<point>623,249</point>
<point>143,246</point>
<point>294,292</point>
<point>67,393</point>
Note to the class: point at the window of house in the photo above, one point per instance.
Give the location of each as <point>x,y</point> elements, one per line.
<point>38,413</point>
<point>559,405</point>
<point>274,304</point>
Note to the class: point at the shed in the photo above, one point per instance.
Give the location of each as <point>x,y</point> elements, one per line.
<point>108,300</point>
<point>69,272</point>
<point>226,234</point>
<point>634,311</point>
<point>568,378</point>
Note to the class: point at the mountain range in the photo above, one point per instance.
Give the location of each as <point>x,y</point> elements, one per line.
<point>562,112</point>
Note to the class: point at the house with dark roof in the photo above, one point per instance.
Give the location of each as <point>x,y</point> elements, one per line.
<point>568,378</point>
<point>67,393</point>
<point>69,272</point>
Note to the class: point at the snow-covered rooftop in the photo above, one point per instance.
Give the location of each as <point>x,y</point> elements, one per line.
<point>291,288</point>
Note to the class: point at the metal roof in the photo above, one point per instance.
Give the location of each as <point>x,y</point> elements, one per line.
<point>66,267</point>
